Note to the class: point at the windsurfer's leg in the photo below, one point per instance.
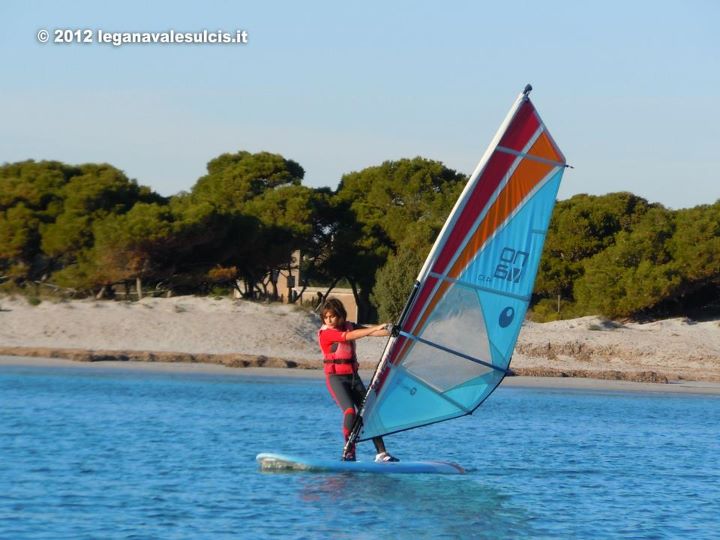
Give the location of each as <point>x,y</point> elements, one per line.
<point>379,445</point>
<point>340,389</point>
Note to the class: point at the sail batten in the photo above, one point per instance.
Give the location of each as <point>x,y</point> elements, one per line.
<point>459,328</point>
<point>529,156</point>
<point>451,351</point>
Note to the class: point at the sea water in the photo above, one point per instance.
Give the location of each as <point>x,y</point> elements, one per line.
<point>113,453</point>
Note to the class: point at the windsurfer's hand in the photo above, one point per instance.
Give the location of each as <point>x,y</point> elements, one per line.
<point>393,329</point>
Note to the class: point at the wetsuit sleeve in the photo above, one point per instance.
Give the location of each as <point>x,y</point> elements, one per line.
<point>330,335</point>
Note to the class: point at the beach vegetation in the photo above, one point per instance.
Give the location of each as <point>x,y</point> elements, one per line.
<point>652,262</point>
<point>90,231</point>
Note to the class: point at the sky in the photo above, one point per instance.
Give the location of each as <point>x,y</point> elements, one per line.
<point>628,89</point>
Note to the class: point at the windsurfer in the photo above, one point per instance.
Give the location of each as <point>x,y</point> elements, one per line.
<point>337,339</point>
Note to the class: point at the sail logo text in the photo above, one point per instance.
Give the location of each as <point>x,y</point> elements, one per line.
<point>512,265</point>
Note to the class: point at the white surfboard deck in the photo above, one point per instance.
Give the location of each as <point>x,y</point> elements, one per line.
<point>269,462</point>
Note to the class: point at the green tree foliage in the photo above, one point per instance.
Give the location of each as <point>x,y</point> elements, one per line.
<point>98,191</point>
<point>19,239</point>
<point>235,179</point>
<point>288,223</point>
<point>34,184</point>
<point>175,244</point>
<point>205,237</point>
<point>394,282</point>
<point>133,245</point>
<point>345,255</point>
<point>318,247</point>
<point>401,202</point>
<point>695,248</point>
<point>660,263</point>
<point>634,274</point>
<point>47,210</point>
<point>89,227</point>
<point>695,245</point>
<point>581,227</point>
<point>29,197</point>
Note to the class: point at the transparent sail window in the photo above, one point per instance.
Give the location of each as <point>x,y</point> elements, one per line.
<point>457,323</point>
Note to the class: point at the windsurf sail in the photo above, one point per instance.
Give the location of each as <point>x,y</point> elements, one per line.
<point>458,330</point>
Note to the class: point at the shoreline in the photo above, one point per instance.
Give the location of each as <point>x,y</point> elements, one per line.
<point>702,388</point>
<point>236,333</point>
<point>248,361</point>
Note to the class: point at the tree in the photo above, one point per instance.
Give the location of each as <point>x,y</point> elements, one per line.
<point>287,216</point>
<point>97,191</point>
<point>34,184</point>
<point>260,195</point>
<point>55,206</point>
<point>29,197</point>
<point>127,247</point>
<point>19,239</point>
<point>695,248</point>
<point>580,228</point>
<point>394,282</point>
<point>635,274</point>
<point>235,179</point>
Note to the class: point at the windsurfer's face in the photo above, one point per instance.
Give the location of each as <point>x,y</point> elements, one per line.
<point>332,319</point>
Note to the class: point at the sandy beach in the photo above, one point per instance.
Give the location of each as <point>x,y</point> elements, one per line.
<point>231,333</point>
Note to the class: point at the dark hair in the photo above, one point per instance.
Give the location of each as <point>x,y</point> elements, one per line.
<point>335,306</point>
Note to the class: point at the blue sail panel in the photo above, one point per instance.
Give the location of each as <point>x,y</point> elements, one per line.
<point>407,402</point>
<point>507,267</point>
<point>475,391</point>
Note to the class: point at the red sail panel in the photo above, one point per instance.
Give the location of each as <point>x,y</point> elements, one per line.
<point>524,125</point>
<point>490,179</point>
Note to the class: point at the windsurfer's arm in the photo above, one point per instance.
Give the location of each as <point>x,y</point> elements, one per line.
<point>383,332</point>
<point>374,331</point>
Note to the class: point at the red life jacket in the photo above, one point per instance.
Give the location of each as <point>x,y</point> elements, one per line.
<point>342,360</point>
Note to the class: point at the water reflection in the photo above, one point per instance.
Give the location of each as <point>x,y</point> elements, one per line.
<point>411,505</point>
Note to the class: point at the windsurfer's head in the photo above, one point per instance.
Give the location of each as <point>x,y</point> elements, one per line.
<point>333,312</point>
